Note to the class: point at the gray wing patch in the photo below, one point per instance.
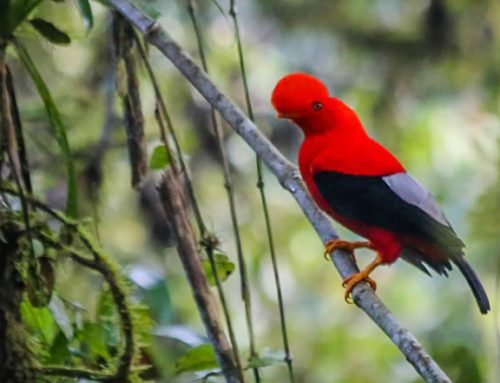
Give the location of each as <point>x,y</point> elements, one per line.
<point>413,192</point>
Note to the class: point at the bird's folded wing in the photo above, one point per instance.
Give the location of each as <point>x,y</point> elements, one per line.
<point>396,202</point>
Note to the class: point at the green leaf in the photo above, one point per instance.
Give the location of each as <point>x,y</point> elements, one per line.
<point>144,325</point>
<point>93,335</point>
<point>13,13</point>
<point>105,305</point>
<point>159,158</point>
<point>197,359</point>
<point>223,266</point>
<point>268,357</point>
<point>58,128</point>
<point>38,248</point>
<point>58,310</point>
<point>39,321</point>
<point>58,352</point>
<point>154,288</point>
<point>50,32</point>
<point>86,12</point>
<point>40,286</point>
<point>107,317</point>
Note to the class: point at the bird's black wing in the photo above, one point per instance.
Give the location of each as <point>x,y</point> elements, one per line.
<point>397,203</point>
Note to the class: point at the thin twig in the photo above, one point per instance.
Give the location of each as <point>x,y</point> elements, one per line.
<point>208,241</point>
<point>245,288</point>
<point>288,175</point>
<point>8,131</point>
<point>262,192</point>
<point>73,373</point>
<point>161,108</point>
<point>18,129</point>
<point>174,205</point>
<point>131,100</point>
<point>93,169</point>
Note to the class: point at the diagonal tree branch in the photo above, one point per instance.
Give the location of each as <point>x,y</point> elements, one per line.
<point>288,176</point>
<point>174,205</point>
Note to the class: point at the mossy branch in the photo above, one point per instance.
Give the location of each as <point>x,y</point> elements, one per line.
<point>104,265</point>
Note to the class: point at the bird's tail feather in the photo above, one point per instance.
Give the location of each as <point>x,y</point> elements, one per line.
<point>474,283</point>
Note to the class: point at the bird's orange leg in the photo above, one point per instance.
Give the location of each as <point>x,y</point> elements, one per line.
<point>335,244</point>
<point>363,275</point>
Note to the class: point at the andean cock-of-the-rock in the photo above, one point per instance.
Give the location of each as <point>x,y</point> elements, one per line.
<point>365,188</point>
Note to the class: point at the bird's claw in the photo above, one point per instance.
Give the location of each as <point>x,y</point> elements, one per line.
<point>328,251</point>
<point>352,281</point>
<point>335,244</point>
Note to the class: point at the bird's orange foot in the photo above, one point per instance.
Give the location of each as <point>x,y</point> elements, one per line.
<point>353,280</point>
<point>335,244</point>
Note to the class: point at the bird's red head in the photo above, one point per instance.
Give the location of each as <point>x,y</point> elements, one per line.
<point>305,100</point>
<point>298,96</point>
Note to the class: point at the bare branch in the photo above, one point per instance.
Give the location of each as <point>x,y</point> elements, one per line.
<point>131,100</point>
<point>174,205</point>
<point>228,185</point>
<point>288,175</point>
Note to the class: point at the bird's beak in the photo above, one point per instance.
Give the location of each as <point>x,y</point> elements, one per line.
<point>285,115</point>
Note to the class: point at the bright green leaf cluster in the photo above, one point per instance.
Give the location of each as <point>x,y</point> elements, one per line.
<point>159,158</point>
<point>200,358</point>
<point>223,265</point>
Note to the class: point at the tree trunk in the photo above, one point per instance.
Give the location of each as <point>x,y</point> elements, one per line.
<point>15,358</point>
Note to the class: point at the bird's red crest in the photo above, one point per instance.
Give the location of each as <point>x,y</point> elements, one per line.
<point>298,95</point>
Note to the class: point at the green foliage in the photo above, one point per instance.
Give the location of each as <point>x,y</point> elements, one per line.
<point>39,321</point>
<point>50,31</point>
<point>86,12</point>
<point>38,248</point>
<point>58,332</point>
<point>200,358</point>
<point>40,285</point>
<point>159,158</point>
<point>460,362</point>
<point>223,265</point>
<point>58,311</point>
<point>107,317</point>
<point>484,217</point>
<point>58,127</point>
<point>59,351</point>
<point>156,297</point>
<point>93,337</point>
<point>267,358</point>
<point>13,13</point>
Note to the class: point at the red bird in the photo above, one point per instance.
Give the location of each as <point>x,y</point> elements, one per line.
<point>365,188</point>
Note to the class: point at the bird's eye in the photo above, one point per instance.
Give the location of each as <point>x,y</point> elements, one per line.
<point>317,105</point>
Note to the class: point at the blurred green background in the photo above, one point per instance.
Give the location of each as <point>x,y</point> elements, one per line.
<point>424,77</point>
